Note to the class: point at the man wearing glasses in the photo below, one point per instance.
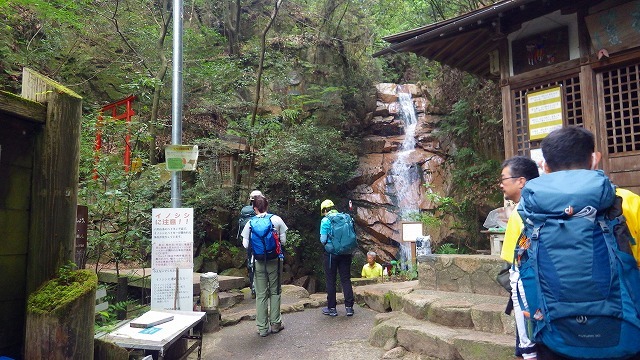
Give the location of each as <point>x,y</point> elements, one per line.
<point>516,171</point>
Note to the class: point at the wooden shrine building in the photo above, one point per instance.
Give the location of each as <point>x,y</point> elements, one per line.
<point>579,57</point>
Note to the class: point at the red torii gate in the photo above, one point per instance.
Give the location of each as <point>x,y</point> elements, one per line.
<point>125,106</point>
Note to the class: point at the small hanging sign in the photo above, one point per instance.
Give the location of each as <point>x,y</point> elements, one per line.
<point>181,157</point>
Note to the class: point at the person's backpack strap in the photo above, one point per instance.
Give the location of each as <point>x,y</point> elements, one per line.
<point>617,220</point>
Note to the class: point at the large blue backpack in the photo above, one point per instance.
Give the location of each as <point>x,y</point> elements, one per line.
<point>342,238</point>
<point>264,242</point>
<point>581,286</point>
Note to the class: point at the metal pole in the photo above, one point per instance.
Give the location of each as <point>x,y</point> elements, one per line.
<point>176,109</point>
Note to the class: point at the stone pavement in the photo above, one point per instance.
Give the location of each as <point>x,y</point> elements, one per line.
<point>308,334</point>
<point>392,320</point>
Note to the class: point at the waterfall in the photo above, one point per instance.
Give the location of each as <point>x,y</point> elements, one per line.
<point>405,174</point>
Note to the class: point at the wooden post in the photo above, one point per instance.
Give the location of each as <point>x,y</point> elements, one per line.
<point>61,327</point>
<point>54,191</point>
<point>122,293</point>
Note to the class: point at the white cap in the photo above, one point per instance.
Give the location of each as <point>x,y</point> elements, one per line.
<point>255,193</point>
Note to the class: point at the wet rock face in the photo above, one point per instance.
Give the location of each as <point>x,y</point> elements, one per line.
<point>372,189</point>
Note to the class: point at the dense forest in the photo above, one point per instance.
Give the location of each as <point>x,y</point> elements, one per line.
<point>285,82</point>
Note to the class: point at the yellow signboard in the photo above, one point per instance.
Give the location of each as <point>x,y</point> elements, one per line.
<point>545,111</point>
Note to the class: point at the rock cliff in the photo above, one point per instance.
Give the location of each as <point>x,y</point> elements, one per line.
<point>372,189</point>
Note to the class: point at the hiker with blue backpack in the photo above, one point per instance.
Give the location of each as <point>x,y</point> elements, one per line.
<point>264,235</point>
<point>577,256</point>
<point>337,235</point>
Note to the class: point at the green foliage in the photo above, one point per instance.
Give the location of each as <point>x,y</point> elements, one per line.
<point>119,202</point>
<point>107,320</point>
<point>301,167</point>
<point>411,273</point>
<point>211,252</point>
<point>472,135</point>
<point>403,271</point>
<point>294,241</point>
<point>448,248</point>
<point>301,137</point>
<point>66,273</point>
<point>212,202</point>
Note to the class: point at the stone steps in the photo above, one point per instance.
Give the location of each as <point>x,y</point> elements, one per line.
<point>441,320</point>
<point>457,310</point>
<point>436,341</point>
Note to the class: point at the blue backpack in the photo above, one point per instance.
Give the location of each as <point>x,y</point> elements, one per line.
<point>264,241</point>
<point>581,285</point>
<point>342,238</point>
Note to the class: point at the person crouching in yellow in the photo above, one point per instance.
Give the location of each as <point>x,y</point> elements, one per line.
<point>371,269</point>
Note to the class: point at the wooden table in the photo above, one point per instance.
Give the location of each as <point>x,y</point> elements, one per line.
<point>184,325</point>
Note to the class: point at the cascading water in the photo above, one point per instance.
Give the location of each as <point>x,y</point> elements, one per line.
<point>405,174</point>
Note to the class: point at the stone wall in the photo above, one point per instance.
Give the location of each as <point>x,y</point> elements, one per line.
<point>372,190</point>
<point>461,273</point>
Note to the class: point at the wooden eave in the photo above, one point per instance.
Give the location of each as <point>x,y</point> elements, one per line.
<point>466,41</point>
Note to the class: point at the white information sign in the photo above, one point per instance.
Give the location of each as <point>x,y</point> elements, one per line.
<point>411,231</point>
<point>536,155</point>
<point>172,259</point>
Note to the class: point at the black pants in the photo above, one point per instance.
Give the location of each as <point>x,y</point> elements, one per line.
<point>334,264</point>
<point>544,353</point>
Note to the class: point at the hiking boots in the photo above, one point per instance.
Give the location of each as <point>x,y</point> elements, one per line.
<point>277,327</point>
<point>263,333</point>
<point>349,310</point>
<point>330,311</point>
<point>253,293</point>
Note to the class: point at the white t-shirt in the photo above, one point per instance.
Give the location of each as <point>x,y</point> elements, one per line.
<point>278,224</point>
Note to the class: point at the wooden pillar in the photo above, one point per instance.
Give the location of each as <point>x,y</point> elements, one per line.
<point>122,294</point>
<point>507,102</point>
<point>60,318</point>
<point>589,88</point>
<point>54,191</point>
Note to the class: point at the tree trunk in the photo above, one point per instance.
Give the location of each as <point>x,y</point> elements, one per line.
<point>250,141</point>
<point>263,42</point>
<point>232,26</point>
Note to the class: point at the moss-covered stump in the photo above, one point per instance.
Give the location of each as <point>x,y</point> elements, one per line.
<point>60,318</point>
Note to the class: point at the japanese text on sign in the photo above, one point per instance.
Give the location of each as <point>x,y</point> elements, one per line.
<point>171,250</point>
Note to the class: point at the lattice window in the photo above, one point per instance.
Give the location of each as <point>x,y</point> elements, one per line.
<point>621,109</point>
<point>573,104</point>
<point>225,164</point>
